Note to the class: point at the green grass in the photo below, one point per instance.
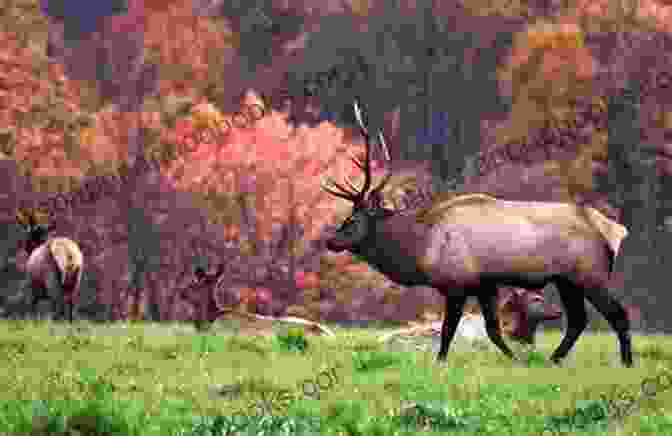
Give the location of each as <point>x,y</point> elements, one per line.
<point>146,379</point>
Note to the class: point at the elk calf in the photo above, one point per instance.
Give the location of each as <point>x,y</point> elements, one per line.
<point>54,266</point>
<point>470,244</point>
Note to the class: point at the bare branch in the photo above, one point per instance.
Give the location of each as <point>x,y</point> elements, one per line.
<point>383,144</point>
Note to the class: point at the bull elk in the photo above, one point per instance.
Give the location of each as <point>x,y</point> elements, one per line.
<point>54,265</point>
<point>469,244</point>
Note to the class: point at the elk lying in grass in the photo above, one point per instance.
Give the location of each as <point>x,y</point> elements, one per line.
<point>465,245</point>
<point>54,266</point>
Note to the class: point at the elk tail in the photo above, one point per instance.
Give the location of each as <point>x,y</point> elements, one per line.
<point>613,232</point>
<point>68,259</point>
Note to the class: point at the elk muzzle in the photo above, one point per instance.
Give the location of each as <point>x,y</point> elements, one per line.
<point>337,245</point>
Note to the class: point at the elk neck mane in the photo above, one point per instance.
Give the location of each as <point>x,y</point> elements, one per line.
<point>444,201</point>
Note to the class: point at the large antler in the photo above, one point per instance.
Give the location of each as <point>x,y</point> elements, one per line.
<point>353,193</point>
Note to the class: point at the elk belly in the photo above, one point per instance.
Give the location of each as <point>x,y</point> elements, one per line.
<point>449,259</point>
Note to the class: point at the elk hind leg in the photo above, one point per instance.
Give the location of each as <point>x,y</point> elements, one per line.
<point>454,307</point>
<point>614,312</point>
<point>571,297</point>
<point>488,307</point>
<point>56,294</point>
<point>36,293</point>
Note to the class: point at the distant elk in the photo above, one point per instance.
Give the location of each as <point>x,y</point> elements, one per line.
<point>469,244</point>
<point>54,266</point>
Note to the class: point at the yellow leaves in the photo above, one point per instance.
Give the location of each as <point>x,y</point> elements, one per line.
<point>546,43</point>
<point>576,175</point>
<point>509,8</point>
<point>23,215</point>
<point>549,70</point>
<point>662,119</point>
<point>87,135</point>
<point>206,116</point>
<point>360,7</point>
<point>555,36</point>
<point>231,39</point>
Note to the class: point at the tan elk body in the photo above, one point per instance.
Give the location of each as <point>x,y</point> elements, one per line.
<point>54,267</point>
<point>469,245</point>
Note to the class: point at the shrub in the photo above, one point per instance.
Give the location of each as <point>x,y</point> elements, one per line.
<point>293,340</point>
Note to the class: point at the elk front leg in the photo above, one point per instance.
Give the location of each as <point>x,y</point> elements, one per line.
<point>454,307</point>
<point>487,303</point>
<point>19,303</point>
<point>615,314</point>
<point>577,318</point>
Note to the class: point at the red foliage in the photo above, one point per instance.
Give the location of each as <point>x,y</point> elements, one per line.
<point>22,88</point>
<point>306,280</point>
<point>282,163</point>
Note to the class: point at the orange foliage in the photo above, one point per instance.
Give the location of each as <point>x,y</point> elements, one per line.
<point>548,67</point>
<point>306,280</point>
<point>24,85</point>
<point>556,45</point>
<point>656,12</point>
<point>183,57</point>
<point>284,162</point>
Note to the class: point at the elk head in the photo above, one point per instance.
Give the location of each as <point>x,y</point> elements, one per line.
<point>367,203</point>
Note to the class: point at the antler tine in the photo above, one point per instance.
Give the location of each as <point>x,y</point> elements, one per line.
<point>344,193</point>
<point>382,183</point>
<point>383,145</point>
<point>341,188</point>
<point>356,160</point>
<point>367,139</point>
<point>351,185</point>
<point>386,157</point>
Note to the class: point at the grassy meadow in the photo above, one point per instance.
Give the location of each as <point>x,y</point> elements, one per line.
<point>149,379</point>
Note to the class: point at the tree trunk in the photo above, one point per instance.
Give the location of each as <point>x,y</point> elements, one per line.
<point>632,188</point>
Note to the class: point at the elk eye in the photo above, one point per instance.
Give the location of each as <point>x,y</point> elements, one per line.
<point>347,224</point>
